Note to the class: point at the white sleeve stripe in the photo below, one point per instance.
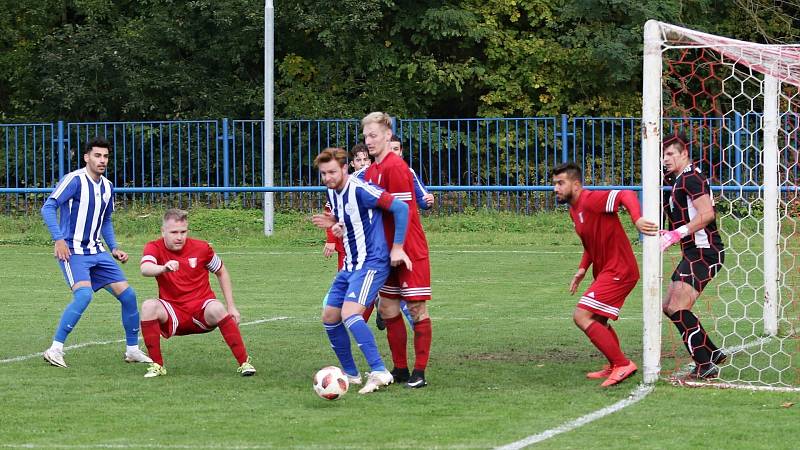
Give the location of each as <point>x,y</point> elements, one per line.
<point>370,189</point>
<point>612,197</point>
<point>419,183</point>
<point>148,258</point>
<point>64,183</point>
<point>215,264</point>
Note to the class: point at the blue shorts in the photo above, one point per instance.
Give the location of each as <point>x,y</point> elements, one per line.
<point>100,269</point>
<point>360,286</point>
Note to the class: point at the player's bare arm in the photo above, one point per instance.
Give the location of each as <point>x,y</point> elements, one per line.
<point>705,215</point>
<point>398,256</point>
<point>323,221</point>
<point>227,292</point>
<point>61,250</point>
<point>149,269</point>
<point>576,280</point>
<point>646,227</point>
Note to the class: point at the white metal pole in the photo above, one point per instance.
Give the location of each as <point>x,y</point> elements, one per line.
<point>651,208</point>
<point>269,145</point>
<point>770,159</point>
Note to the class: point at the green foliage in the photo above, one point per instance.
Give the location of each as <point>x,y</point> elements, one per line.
<point>166,59</point>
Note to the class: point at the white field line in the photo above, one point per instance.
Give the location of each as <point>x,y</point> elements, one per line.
<point>676,379</point>
<point>89,344</point>
<point>635,396</point>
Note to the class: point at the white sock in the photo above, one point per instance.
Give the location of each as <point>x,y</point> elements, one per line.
<point>57,346</point>
<point>131,348</point>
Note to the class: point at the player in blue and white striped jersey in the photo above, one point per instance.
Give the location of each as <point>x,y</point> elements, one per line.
<point>77,213</point>
<point>356,215</point>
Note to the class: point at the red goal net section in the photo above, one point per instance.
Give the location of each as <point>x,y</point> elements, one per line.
<point>738,104</point>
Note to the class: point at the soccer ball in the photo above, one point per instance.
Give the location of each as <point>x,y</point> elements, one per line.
<point>330,383</point>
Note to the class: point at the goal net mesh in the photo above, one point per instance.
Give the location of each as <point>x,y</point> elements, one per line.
<point>713,92</point>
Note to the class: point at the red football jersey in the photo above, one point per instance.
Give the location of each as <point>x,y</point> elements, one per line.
<point>604,239</point>
<point>393,175</point>
<point>190,282</point>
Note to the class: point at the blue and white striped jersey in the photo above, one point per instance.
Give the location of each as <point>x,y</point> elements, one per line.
<point>356,207</point>
<point>84,205</point>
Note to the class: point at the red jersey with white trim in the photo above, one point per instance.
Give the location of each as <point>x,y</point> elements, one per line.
<point>604,240</point>
<point>394,176</point>
<point>190,282</point>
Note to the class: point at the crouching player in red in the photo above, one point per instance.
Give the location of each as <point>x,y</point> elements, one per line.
<point>607,248</point>
<point>186,303</point>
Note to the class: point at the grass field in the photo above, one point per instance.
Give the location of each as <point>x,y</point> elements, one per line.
<point>506,362</point>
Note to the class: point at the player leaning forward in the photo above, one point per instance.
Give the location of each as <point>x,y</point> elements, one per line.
<point>186,304</point>
<point>608,250</point>
<point>356,216</point>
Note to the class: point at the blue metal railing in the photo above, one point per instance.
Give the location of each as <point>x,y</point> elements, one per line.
<point>495,163</point>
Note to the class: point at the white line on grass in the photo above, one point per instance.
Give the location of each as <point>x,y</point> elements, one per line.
<point>637,394</point>
<point>89,344</point>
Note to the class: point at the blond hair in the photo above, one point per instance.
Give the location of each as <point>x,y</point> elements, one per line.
<point>175,214</point>
<point>377,117</point>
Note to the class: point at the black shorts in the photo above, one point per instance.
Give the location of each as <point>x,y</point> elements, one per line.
<point>698,266</point>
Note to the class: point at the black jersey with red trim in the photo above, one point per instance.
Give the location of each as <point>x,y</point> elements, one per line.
<point>688,186</point>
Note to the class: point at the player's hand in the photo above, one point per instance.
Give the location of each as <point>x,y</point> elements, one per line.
<point>429,199</point>
<point>171,266</point>
<point>323,220</point>
<point>330,247</point>
<point>398,256</point>
<point>671,237</point>
<point>60,250</point>
<point>576,280</point>
<point>235,314</point>
<point>646,227</point>
<point>119,255</point>
<point>338,230</point>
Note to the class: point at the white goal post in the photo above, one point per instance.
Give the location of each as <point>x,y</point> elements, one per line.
<point>739,103</point>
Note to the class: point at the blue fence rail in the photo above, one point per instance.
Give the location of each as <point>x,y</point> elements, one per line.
<point>472,162</point>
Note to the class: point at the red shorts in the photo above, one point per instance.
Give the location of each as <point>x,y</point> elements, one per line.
<point>411,286</point>
<point>186,318</point>
<point>606,295</point>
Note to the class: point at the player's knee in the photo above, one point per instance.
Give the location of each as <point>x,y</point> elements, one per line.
<point>214,312</point>
<point>418,310</point>
<point>389,307</point>
<point>331,315</point>
<point>582,318</point>
<point>150,308</point>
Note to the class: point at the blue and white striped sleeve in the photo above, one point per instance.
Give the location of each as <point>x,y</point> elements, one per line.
<point>420,190</point>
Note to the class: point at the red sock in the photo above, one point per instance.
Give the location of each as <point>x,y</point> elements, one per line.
<point>603,339</point>
<point>613,333</point>
<point>422,343</point>
<point>397,336</point>
<point>230,332</point>
<point>151,333</point>
<point>368,312</point>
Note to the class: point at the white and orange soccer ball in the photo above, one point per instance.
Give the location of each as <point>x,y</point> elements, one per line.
<point>330,383</point>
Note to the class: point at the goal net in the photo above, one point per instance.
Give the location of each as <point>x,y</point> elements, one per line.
<point>737,102</point>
